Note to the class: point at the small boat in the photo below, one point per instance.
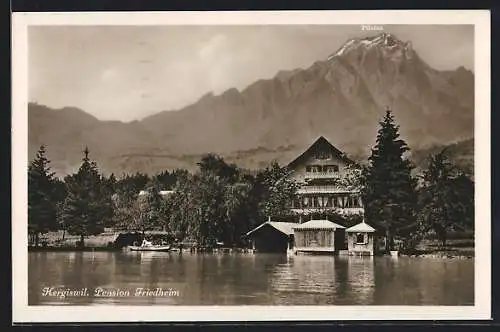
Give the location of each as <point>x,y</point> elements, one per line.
<point>148,246</point>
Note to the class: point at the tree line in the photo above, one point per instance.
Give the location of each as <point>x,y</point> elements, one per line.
<point>220,201</point>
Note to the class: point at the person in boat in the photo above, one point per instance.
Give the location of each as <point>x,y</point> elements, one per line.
<point>146,243</point>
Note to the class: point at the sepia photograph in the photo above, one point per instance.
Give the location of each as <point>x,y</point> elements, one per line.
<point>217,163</point>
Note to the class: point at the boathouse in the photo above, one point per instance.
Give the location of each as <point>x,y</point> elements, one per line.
<point>360,239</point>
<point>272,236</point>
<point>319,236</point>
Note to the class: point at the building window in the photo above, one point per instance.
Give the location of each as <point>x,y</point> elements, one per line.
<point>315,169</point>
<point>306,201</point>
<point>355,202</point>
<point>360,238</point>
<point>352,202</point>
<point>322,155</point>
<point>332,168</point>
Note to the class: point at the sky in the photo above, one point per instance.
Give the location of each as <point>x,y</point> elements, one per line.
<point>129,72</point>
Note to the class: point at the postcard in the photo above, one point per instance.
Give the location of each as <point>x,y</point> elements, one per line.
<point>251,166</point>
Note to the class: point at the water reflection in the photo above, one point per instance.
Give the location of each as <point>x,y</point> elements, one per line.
<point>361,279</point>
<point>324,280</point>
<point>305,280</point>
<point>261,279</point>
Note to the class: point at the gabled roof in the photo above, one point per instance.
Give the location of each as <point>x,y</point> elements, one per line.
<point>283,227</point>
<point>361,227</point>
<point>321,141</point>
<point>318,224</point>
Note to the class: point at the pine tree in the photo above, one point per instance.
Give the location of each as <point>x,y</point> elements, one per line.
<point>388,192</point>
<point>42,197</point>
<point>88,204</point>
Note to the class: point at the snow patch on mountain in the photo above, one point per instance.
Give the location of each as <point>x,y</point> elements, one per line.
<point>385,41</point>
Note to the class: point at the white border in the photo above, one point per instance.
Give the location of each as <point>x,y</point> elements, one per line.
<point>24,313</point>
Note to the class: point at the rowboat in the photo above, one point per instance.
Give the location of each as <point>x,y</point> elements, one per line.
<point>149,248</point>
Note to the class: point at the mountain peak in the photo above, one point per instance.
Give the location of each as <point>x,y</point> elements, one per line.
<point>384,40</point>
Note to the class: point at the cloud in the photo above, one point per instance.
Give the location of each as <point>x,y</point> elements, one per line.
<point>211,49</point>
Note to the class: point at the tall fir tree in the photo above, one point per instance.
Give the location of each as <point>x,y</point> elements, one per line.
<point>42,197</point>
<point>389,190</point>
<point>88,204</point>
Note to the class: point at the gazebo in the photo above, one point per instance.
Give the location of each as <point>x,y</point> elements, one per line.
<point>360,239</point>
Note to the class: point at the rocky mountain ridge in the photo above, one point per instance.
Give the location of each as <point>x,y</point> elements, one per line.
<point>342,98</point>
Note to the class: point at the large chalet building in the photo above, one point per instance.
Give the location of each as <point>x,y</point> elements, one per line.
<point>319,171</point>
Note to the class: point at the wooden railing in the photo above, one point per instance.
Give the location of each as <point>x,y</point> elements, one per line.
<point>345,210</point>
<point>323,189</point>
<point>322,175</point>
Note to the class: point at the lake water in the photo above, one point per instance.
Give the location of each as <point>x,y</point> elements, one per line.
<point>246,279</point>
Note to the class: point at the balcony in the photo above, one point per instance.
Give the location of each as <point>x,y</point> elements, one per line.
<point>322,175</point>
<point>323,190</point>
<point>340,210</point>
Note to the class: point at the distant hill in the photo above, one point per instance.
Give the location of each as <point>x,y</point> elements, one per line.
<point>342,98</point>
<point>461,153</point>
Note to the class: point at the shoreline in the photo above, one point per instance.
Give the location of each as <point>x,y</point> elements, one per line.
<point>71,249</point>
<point>428,254</point>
